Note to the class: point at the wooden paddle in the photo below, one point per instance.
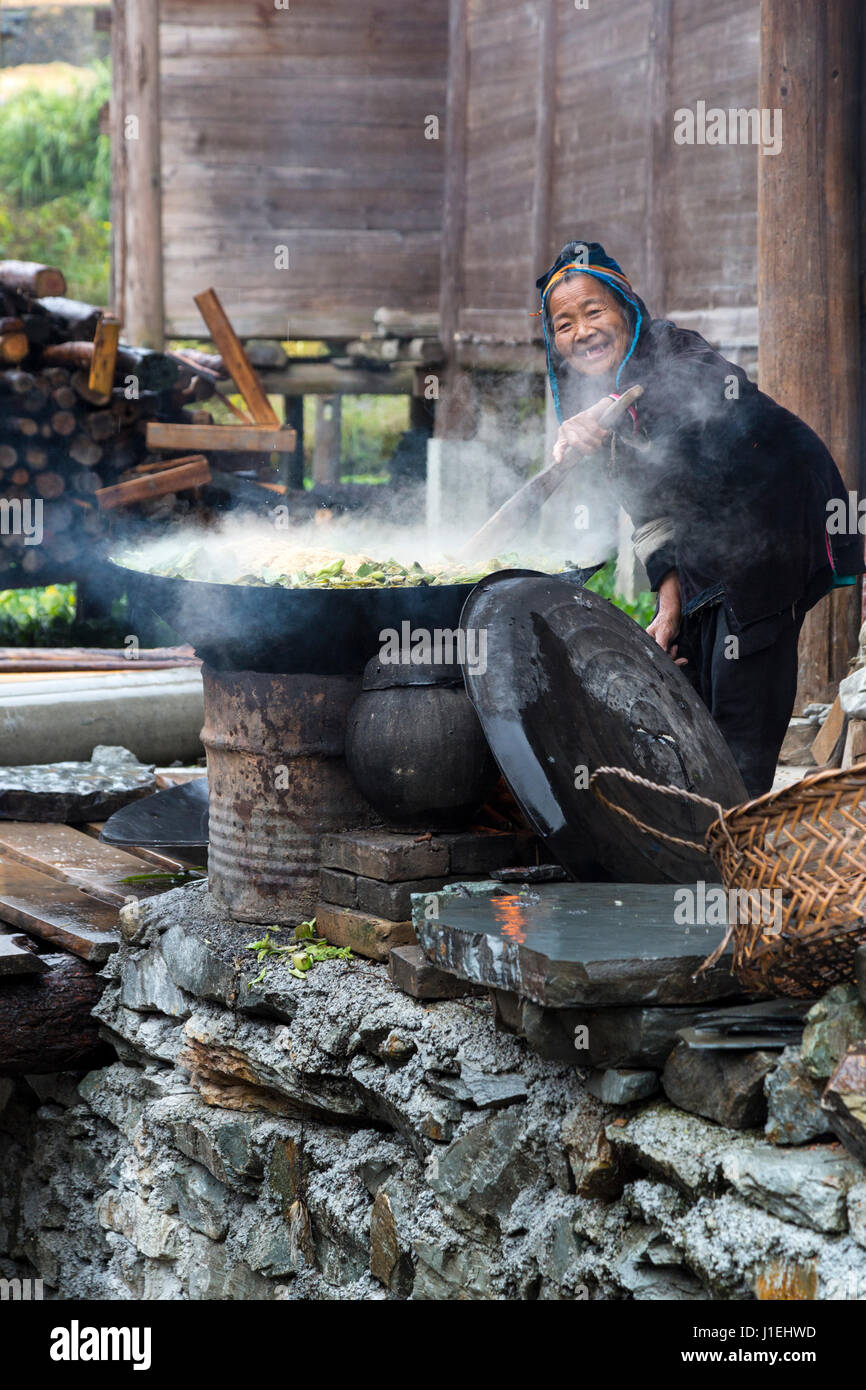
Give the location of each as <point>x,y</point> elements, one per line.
<point>514,514</point>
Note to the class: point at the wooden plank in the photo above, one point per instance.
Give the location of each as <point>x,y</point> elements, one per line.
<point>810,71</point>
<point>155,484</point>
<point>215,438</point>
<point>143,295</point>
<point>239,366</point>
<point>56,912</point>
<point>69,856</point>
<point>16,957</point>
<point>104,359</point>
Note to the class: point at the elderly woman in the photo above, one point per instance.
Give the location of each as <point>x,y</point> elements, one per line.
<point>728,491</point>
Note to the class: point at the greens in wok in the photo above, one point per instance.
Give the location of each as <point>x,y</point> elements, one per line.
<point>313,569</point>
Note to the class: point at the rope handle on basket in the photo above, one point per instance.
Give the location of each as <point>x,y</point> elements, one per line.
<point>679,792</point>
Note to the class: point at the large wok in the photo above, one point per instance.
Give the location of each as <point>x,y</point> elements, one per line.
<point>329,632</point>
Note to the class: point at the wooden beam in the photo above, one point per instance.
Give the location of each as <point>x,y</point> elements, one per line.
<point>545,149</point>
<point>117,110</point>
<point>808,265</point>
<point>144,313</point>
<point>239,366</point>
<point>244,439</point>
<point>451,416</point>
<point>654,289</point>
<point>155,484</point>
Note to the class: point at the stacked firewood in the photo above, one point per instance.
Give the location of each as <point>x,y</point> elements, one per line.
<point>64,442</point>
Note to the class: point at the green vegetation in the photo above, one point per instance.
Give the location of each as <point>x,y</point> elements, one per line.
<point>304,951</point>
<point>55,181</point>
<point>642,609</point>
<point>37,617</point>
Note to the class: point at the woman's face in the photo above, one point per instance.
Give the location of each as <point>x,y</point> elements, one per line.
<point>590,326</point>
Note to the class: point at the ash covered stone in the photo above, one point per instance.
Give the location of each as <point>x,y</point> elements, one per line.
<point>74,791</point>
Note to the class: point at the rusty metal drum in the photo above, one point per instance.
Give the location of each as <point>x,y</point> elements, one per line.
<point>278,783</point>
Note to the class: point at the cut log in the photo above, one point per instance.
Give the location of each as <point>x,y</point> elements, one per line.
<point>48,484</point>
<point>231,438</point>
<point>77,320</point>
<point>79,384</point>
<point>86,480</point>
<point>16,383</point>
<point>29,277</point>
<point>38,329</point>
<point>72,354</point>
<point>104,359</point>
<point>23,424</point>
<point>101,425</point>
<point>14,344</point>
<point>53,377</point>
<point>20,476</point>
<point>154,485</point>
<point>47,1023</point>
<point>63,422</point>
<point>64,397</point>
<point>36,458</point>
<point>84,451</point>
<point>8,457</point>
<point>239,365</point>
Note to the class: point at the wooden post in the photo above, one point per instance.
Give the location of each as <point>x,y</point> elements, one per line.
<point>294,462</point>
<point>117,109</point>
<point>808,266</point>
<point>654,288</point>
<point>545,131</point>
<point>327,449</point>
<point>453,420</point>
<point>144,317</point>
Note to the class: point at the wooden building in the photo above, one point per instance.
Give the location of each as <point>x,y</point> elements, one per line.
<point>319,159</point>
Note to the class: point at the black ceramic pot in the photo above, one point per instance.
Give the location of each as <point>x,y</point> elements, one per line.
<point>416,749</point>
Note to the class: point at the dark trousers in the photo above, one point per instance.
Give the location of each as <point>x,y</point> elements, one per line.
<point>748,681</point>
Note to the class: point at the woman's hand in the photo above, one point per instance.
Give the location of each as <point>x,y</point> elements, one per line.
<point>665,626</point>
<point>582,432</point>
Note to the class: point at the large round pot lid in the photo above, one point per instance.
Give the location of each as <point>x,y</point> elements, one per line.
<point>569,684</point>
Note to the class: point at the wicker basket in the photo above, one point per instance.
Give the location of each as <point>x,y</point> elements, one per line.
<point>806,846</point>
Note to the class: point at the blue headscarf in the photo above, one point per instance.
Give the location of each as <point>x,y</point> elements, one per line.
<point>591,258</point>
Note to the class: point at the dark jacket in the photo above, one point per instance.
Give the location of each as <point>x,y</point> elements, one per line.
<point>745,483</point>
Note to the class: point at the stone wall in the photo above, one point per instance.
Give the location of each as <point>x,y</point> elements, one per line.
<point>331,1138</point>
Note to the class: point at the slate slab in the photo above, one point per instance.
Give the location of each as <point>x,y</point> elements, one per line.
<point>622,1086</point>
<point>794,1114</point>
<point>598,1037</point>
<point>844,1100</point>
<point>566,944</point>
<point>832,1025</point>
<point>411,972</point>
<point>74,791</point>
<point>805,1186</point>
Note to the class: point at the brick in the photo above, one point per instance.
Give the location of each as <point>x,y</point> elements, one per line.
<point>362,932</point>
<point>337,887</point>
<point>391,858</point>
<point>391,900</point>
<point>413,973</point>
<point>471,853</point>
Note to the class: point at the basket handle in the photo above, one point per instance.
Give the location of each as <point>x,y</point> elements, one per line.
<point>679,792</point>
